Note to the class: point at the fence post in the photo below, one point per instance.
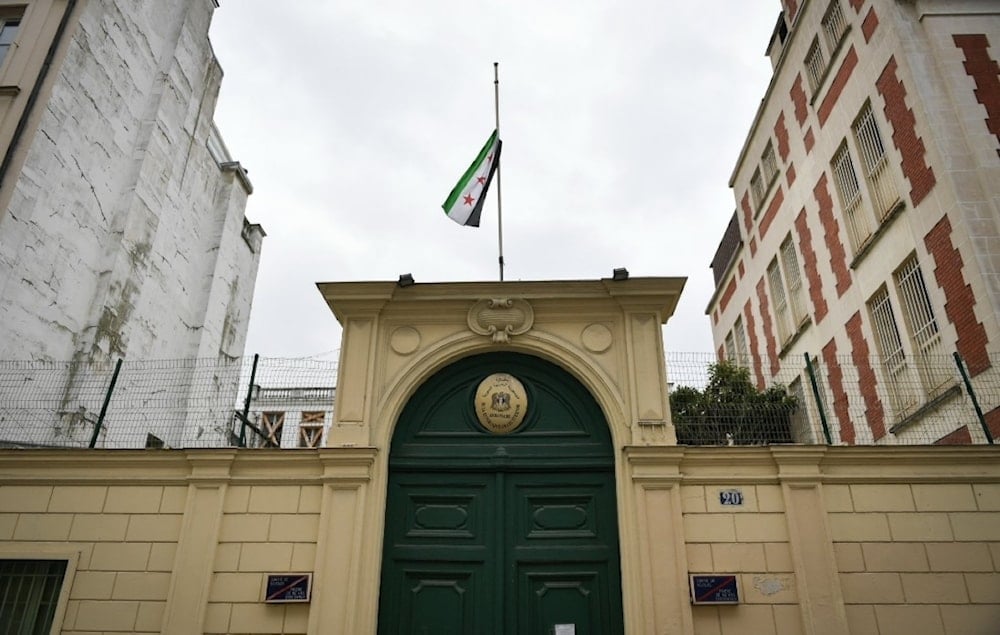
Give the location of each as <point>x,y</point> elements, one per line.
<point>246,403</point>
<point>819,402</point>
<point>104,406</point>
<point>972,395</point>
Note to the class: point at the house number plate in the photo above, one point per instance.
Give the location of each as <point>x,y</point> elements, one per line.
<point>731,497</point>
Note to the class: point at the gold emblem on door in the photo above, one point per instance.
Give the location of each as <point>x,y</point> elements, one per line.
<point>501,403</point>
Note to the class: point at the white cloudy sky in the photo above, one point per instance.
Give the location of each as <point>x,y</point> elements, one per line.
<point>621,123</point>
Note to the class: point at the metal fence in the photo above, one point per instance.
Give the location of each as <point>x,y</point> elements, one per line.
<point>836,400</point>
<point>222,403</point>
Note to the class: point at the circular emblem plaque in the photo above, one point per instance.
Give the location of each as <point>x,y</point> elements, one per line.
<point>501,403</point>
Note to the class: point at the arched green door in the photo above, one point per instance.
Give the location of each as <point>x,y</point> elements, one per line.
<point>490,533</point>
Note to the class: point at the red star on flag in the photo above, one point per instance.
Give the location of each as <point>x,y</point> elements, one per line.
<point>481,179</point>
<point>468,199</point>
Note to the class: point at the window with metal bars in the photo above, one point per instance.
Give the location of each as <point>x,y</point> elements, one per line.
<point>881,185</point>
<point>932,362</point>
<point>757,189</point>
<point>787,293</point>
<point>793,280</point>
<point>801,425</point>
<point>834,25</point>
<point>29,595</point>
<point>782,313</point>
<point>821,52</point>
<point>769,166</point>
<point>903,396</point>
<point>740,340</point>
<point>845,179</point>
<point>815,66</point>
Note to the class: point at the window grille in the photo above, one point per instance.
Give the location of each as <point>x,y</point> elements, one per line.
<point>801,426</point>
<point>815,66</point>
<point>29,594</point>
<point>873,159</point>
<point>793,280</point>
<point>730,346</point>
<point>740,337</point>
<point>834,25</point>
<point>311,430</point>
<point>890,345</point>
<point>769,165</point>
<point>924,333</point>
<point>846,180</point>
<point>756,189</point>
<point>780,302</point>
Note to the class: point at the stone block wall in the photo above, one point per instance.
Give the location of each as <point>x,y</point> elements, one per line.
<point>866,541</point>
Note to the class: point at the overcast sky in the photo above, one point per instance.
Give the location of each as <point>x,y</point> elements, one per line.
<point>621,123</point>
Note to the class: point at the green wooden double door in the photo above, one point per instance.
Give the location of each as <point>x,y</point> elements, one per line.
<point>501,533</point>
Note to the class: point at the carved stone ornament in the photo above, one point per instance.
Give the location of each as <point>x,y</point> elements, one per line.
<point>501,318</point>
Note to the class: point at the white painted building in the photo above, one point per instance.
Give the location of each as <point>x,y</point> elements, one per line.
<point>122,228</point>
<point>296,417</point>
<point>866,234</point>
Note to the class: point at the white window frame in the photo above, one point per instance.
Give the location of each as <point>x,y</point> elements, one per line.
<point>922,327</point>
<point>7,15</point>
<point>869,196</point>
<point>882,190</point>
<point>787,293</point>
<point>912,356</point>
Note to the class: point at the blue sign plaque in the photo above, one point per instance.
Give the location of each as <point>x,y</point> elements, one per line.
<point>288,587</point>
<point>730,497</point>
<point>714,589</point>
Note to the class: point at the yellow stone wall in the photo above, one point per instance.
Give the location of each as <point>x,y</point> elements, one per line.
<point>828,540</point>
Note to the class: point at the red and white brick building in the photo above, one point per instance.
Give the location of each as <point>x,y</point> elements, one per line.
<point>866,234</point>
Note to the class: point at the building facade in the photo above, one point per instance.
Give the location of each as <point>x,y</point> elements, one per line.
<point>503,460</point>
<point>291,417</point>
<point>122,227</point>
<point>867,226</point>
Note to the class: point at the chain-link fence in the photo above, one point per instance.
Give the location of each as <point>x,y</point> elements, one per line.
<point>136,404</point>
<point>280,402</point>
<point>835,399</point>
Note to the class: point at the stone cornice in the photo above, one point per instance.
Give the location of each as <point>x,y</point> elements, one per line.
<point>815,464</point>
<point>346,299</point>
<point>179,467</point>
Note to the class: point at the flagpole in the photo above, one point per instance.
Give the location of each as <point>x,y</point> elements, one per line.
<point>496,103</point>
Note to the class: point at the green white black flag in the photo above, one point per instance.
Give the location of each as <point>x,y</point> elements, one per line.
<point>465,203</point>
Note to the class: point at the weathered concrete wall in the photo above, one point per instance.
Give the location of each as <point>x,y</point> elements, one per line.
<point>125,234</point>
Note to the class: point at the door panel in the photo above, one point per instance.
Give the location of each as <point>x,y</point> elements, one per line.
<point>548,595</point>
<point>562,543</point>
<point>440,598</point>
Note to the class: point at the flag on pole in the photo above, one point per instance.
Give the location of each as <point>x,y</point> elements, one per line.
<point>465,203</point>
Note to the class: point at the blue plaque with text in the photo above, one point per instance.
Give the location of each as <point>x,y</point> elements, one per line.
<point>714,589</point>
<point>288,587</point>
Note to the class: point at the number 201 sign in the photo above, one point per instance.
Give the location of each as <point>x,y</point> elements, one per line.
<point>730,497</point>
